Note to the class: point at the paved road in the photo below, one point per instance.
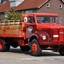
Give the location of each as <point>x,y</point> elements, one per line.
<point>15,56</point>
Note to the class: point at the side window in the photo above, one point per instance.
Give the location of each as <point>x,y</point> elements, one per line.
<point>47,19</point>
<point>40,19</point>
<point>31,19</point>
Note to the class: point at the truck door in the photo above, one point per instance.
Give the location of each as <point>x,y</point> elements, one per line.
<point>31,26</point>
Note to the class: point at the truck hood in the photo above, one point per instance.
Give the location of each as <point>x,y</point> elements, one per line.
<point>49,26</point>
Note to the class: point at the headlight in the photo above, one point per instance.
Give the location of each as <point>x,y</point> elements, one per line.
<point>44,37</point>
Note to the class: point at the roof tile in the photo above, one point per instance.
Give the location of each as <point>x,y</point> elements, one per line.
<point>5,7</point>
<point>30,4</point>
<point>25,5</point>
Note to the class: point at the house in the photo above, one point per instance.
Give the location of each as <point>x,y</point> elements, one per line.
<point>44,6</point>
<point>6,5</point>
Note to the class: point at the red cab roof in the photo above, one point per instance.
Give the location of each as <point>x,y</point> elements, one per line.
<point>44,14</point>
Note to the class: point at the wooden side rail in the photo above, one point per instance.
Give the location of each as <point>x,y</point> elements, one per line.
<point>10,24</point>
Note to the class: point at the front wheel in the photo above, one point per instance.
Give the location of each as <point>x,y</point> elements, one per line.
<point>35,48</point>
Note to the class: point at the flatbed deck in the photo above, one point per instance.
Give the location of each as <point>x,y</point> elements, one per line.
<point>10,29</point>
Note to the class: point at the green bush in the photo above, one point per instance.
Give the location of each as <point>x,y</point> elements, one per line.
<point>12,15</point>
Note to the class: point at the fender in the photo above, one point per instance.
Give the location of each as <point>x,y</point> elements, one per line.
<point>33,36</point>
<point>39,36</point>
<point>43,37</point>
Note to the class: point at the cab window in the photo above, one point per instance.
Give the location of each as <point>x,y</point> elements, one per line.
<point>47,19</point>
<point>31,19</point>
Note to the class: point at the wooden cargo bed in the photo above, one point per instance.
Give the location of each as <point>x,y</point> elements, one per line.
<point>10,29</point>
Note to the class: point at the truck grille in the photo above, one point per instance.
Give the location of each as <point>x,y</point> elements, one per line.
<point>61,35</point>
<point>55,35</point>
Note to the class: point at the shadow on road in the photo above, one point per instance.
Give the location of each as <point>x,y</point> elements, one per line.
<point>44,53</point>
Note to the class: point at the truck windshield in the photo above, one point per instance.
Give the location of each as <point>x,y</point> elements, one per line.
<point>47,19</point>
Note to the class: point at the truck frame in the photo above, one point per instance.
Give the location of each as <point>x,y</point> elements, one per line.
<point>35,32</point>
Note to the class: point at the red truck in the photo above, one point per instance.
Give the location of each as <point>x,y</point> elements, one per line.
<point>35,32</point>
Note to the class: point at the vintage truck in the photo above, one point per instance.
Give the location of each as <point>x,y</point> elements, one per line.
<point>34,32</point>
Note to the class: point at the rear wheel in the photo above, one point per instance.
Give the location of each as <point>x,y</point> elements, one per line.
<point>61,51</point>
<point>35,48</point>
<point>2,46</point>
<point>7,47</point>
<point>24,48</point>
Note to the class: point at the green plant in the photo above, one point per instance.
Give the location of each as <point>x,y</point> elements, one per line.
<point>12,15</point>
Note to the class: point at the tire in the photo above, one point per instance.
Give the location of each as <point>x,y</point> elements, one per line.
<point>35,48</point>
<point>2,46</point>
<point>7,47</point>
<point>61,51</point>
<point>24,48</point>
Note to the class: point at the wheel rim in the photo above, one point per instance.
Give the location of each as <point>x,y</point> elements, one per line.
<point>34,47</point>
<point>0,46</point>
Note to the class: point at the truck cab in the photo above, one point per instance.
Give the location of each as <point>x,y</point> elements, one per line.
<point>44,31</point>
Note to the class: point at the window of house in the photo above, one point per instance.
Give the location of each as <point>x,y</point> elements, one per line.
<point>11,0</point>
<point>0,1</point>
<point>61,6</point>
<point>4,2</point>
<point>48,5</point>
